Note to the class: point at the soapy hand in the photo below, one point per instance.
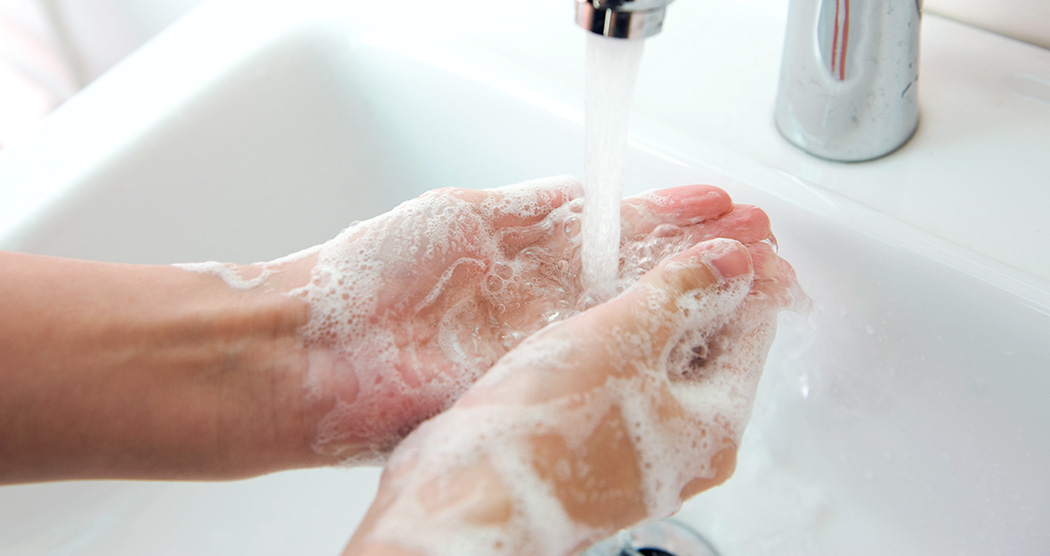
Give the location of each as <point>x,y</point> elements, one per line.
<point>614,413</point>
<point>613,416</point>
<point>409,309</point>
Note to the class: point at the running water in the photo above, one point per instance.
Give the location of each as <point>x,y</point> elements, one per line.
<point>612,67</point>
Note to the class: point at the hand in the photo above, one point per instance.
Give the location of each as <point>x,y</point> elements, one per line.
<point>211,379</point>
<point>409,309</point>
<point>613,416</point>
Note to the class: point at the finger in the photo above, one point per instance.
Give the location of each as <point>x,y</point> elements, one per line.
<point>679,206</point>
<point>744,223</point>
<point>692,293</point>
<point>626,333</point>
<point>700,291</point>
<point>701,269</point>
<point>775,284</point>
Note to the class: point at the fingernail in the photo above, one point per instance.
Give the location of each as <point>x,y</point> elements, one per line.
<point>731,261</point>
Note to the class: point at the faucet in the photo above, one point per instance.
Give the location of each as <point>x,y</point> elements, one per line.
<point>848,80</point>
<point>622,19</point>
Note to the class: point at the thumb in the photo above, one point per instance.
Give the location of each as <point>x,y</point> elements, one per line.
<point>684,304</point>
<point>707,266</point>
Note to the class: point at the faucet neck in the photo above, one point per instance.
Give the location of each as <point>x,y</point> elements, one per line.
<point>622,19</point>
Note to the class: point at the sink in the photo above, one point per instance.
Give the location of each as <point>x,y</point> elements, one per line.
<point>906,413</point>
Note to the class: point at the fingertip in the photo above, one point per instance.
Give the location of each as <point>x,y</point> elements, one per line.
<point>706,265</point>
<point>757,217</point>
<point>726,258</point>
<point>729,258</point>
<point>747,223</point>
<point>690,203</point>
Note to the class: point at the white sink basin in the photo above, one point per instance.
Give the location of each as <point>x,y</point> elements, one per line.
<point>906,414</point>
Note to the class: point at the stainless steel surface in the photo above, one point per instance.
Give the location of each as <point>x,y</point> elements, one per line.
<point>622,19</point>
<point>849,77</point>
<point>653,538</point>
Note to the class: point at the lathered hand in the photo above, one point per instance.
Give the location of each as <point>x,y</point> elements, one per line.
<point>409,309</point>
<point>614,416</point>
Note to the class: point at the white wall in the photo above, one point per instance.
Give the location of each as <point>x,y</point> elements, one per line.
<point>51,48</point>
<point>102,32</point>
<point>90,36</point>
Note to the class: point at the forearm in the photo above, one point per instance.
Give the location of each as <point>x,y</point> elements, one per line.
<point>127,371</point>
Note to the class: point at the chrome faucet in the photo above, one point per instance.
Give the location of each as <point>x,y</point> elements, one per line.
<point>849,76</point>
<point>622,19</point>
<point>848,80</point>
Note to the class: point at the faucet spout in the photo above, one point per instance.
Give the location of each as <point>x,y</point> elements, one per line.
<point>622,19</point>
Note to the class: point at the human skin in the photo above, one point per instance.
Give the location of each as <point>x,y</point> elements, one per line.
<point>130,371</point>
<point>446,498</point>
<point>435,308</point>
<point>139,372</point>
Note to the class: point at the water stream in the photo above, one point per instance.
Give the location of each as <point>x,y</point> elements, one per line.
<point>612,68</point>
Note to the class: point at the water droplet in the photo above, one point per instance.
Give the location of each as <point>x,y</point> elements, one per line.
<point>572,227</point>
<point>666,230</point>
<point>772,241</point>
<point>511,338</point>
<point>503,271</point>
<point>803,385</point>
<point>493,283</point>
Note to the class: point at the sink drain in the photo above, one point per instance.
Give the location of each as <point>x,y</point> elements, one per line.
<point>656,538</point>
<point>651,552</point>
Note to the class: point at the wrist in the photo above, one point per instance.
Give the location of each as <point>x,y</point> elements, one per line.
<point>266,415</point>
<point>262,418</point>
<point>130,371</point>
